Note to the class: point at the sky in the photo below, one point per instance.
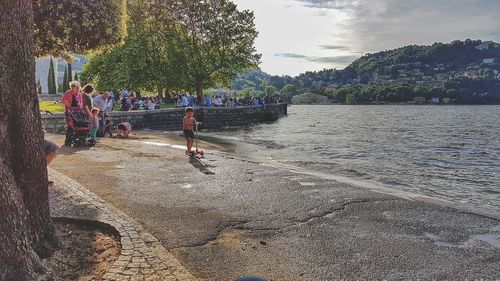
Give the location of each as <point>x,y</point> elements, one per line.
<point>296,36</point>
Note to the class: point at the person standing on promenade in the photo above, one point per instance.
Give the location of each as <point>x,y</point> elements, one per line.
<point>102,103</point>
<point>72,98</point>
<point>88,102</point>
<point>94,123</point>
<point>187,127</point>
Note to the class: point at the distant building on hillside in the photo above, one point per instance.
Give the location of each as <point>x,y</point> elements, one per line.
<point>489,61</point>
<point>419,99</point>
<point>435,100</point>
<point>483,47</point>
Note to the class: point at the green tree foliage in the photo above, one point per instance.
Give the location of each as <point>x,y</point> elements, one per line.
<point>341,94</point>
<point>351,99</point>
<point>76,77</point>
<point>270,90</point>
<point>149,58</point>
<point>289,91</point>
<point>219,42</point>
<point>51,79</point>
<point>183,45</point>
<point>67,26</point>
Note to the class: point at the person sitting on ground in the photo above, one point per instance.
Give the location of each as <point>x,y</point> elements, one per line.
<point>207,101</point>
<point>124,129</point>
<point>126,104</point>
<point>50,150</point>
<point>151,103</point>
<point>187,127</point>
<point>218,101</point>
<point>184,101</point>
<point>231,103</point>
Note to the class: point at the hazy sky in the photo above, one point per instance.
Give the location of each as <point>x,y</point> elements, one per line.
<point>300,35</point>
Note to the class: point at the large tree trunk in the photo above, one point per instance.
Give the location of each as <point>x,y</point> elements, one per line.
<point>199,87</point>
<point>26,231</point>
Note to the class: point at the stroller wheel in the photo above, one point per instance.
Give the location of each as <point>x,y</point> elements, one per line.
<point>91,142</point>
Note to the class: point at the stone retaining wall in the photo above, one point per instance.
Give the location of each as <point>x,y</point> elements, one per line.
<point>171,119</point>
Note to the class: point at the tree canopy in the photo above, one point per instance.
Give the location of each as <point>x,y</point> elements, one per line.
<point>66,26</point>
<point>179,44</point>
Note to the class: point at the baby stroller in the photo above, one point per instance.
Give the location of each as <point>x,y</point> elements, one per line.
<point>77,120</point>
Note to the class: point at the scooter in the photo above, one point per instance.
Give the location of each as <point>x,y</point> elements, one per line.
<point>198,152</point>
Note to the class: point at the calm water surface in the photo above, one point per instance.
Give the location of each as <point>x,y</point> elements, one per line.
<point>448,152</point>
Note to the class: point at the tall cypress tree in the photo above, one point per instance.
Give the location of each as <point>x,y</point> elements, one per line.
<point>70,72</point>
<point>51,79</point>
<point>65,85</point>
<point>76,76</point>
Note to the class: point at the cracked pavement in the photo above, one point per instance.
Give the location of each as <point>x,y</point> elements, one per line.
<point>224,217</point>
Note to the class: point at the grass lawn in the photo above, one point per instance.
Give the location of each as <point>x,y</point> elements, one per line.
<point>59,107</point>
<point>50,106</point>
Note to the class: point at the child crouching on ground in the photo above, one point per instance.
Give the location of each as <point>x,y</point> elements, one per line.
<point>124,129</point>
<point>187,127</point>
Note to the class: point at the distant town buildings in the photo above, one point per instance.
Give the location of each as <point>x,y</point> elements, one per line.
<point>483,46</point>
<point>489,61</point>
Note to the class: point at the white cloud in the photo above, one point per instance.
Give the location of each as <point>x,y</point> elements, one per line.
<point>301,35</point>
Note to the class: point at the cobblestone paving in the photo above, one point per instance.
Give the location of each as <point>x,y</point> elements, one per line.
<point>142,257</point>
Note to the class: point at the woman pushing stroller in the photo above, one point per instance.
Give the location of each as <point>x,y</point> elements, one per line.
<point>71,99</point>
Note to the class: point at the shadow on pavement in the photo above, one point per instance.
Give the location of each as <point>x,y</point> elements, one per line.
<point>200,165</point>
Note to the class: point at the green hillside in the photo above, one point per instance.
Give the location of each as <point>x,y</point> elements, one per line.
<point>464,72</point>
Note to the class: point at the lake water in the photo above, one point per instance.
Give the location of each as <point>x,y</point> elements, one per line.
<point>446,152</point>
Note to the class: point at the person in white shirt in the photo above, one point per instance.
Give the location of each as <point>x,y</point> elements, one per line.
<point>151,104</point>
<point>218,101</point>
<point>184,101</point>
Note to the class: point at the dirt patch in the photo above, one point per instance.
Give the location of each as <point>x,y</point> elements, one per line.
<point>87,251</point>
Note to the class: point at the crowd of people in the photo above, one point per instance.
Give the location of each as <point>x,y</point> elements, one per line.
<point>97,106</point>
<point>82,106</point>
<point>189,100</point>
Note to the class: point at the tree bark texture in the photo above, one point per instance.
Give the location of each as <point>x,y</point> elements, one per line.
<point>26,231</point>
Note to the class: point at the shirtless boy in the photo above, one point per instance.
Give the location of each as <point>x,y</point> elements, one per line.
<point>187,127</point>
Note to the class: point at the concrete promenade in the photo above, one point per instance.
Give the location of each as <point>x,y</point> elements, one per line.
<point>223,217</point>
<point>142,257</point>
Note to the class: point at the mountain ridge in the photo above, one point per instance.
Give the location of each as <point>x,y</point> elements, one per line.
<point>465,71</point>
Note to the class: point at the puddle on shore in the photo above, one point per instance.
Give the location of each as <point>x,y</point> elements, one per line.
<point>307,183</point>
<point>492,239</point>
